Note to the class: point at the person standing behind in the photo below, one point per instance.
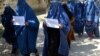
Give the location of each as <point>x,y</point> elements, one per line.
<point>79,17</point>
<point>92,20</point>
<point>27,34</point>
<point>9,31</point>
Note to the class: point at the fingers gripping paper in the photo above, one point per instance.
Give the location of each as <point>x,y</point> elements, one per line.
<point>19,20</point>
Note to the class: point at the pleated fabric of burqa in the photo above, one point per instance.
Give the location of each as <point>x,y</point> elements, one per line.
<point>70,35</point>
<point>27,35</point>
<point>92,18</point>
<point>79,17</point>
<point>55,43</point>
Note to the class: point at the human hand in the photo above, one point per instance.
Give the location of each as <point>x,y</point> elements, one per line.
<point>12,21</point>
<point>26,23</point>
<point>61,26</point>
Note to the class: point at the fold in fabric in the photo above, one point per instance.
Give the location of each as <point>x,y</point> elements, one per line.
<point>56,11</point>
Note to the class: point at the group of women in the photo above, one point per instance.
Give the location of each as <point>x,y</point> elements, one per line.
<point>86,14</point>
<point>71,16</point>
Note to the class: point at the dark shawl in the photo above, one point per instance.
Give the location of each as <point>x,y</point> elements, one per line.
<point>9,32</point>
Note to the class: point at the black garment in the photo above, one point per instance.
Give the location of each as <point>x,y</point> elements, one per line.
<point>9,32</point>
<point>26,55</point>
<point>53,41</point>
<point>68,12</point>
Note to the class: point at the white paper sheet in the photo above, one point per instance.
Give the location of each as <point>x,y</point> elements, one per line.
<point>53,23</point>
<point>19,20</point>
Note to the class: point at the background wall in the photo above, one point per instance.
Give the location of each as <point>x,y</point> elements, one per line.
<point>37,5</point>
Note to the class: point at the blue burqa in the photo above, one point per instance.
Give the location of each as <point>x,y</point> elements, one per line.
<point>96,21</point>
<point>27,35</point>
<point>79,17</point>
<point>71,5</point>
<point>92,18</point>
<point>56,11</point>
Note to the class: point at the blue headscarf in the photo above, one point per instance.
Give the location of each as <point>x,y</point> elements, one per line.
<point>23,9</point>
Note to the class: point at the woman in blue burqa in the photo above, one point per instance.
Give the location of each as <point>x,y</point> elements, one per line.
<point>92,19</point>
<point>55,43</point>
<point>9,31</point>
<point>79,17</point>
<point>27,35</point>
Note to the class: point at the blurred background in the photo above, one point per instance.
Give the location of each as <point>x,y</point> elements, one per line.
<point>38,5</point>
